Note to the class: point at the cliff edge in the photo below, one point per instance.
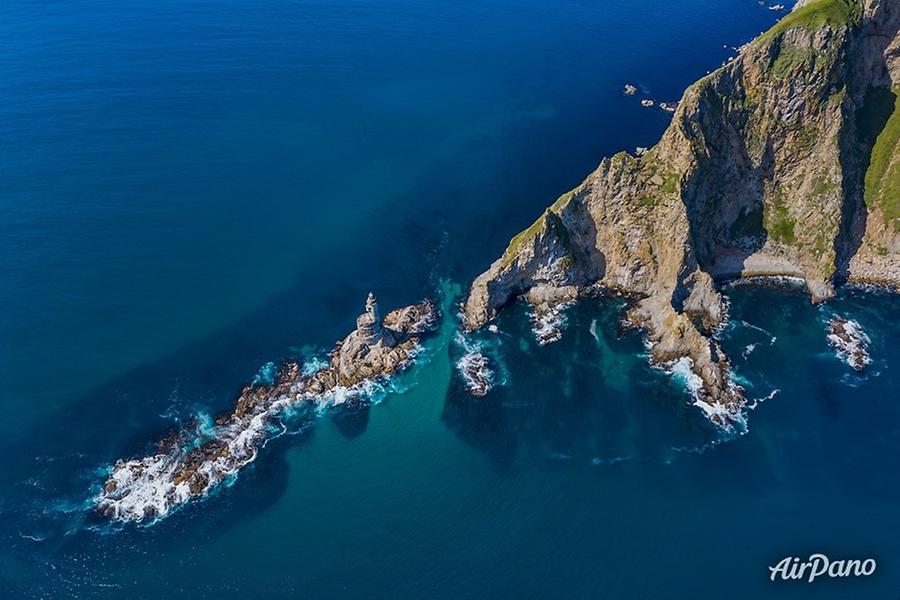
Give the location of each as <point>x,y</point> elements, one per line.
<point>784,161</point>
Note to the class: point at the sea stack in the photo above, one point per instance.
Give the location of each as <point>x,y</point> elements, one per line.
<point>368,324</point>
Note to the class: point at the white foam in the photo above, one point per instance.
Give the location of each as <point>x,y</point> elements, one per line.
<point>754,327</point>
<point>313,365</point>
<point>724,416</point>
<point>144,487</point>
<point>772,338</point>
<point>683,370</point>
<point>474,369</point>
<point>854,351</point>
<point>593,330</point>
<point>547,325</point>
<point>753,404</point>
<point>266,374</point>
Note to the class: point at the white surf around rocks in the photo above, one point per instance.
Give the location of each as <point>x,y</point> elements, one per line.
<point>850,342</point>
<point>480,365</point>
<point>727,417</point>
<point>474,367</point>
<point>548,322</point>
<point>191,462</point>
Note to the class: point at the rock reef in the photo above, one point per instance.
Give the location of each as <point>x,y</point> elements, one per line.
<point>784,161</point>
<point>187,463</point>
<point>476,373</point>
<point>850,342</point>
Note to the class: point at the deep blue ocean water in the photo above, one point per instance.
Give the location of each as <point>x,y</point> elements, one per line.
<point>193,189</point>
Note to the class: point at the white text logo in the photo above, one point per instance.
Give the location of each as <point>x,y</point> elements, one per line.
<point>819,565</point>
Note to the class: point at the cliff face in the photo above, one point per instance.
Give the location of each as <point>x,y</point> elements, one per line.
<point>783,162</point>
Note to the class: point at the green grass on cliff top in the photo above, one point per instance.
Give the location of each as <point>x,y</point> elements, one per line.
<point>883,175</point>
<point>515,244</point>
<point>813,16</point>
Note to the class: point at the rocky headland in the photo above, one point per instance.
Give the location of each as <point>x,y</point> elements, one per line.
<point>783,162</point>
<point>189,462</point>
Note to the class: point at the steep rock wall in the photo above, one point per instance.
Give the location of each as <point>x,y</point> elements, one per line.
<point>781,162</point>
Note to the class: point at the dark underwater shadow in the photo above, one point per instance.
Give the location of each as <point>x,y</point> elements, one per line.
<point>560,408</point>
<point>352,422</point>
<point>559,405</point>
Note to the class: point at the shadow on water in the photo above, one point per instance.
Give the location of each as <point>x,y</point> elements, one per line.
<point>352,422</point>
<point>589,402</point>
<point>514,418</point>
<point>590,398</point>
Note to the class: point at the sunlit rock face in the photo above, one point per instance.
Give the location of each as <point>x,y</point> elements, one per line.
<point>781,162</point>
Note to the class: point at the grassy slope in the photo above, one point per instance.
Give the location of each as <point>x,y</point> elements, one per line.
<point>835,13</point>
<point>883,176</point>
<point>516,243</point>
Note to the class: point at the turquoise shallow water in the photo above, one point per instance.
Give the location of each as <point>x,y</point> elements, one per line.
<point>194,189</point>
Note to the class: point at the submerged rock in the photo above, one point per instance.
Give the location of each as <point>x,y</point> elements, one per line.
<point>180,470</point>
<point>850,342</point>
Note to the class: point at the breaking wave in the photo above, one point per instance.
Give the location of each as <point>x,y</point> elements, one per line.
<point>850,343</point>
<point>481,365</point>
<point>725,417</point>
<point>547,325</point>
<point>146,489</point>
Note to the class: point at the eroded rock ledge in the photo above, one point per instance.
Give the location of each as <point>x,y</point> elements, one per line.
<point>188,463</point>
<point>781,162</point>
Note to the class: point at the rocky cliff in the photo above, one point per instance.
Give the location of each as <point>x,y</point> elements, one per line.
<point>782,162</point>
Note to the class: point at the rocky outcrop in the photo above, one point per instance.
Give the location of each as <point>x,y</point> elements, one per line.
<point>781,162</point>
<point>474,367</point>
<point>187,464</point>
<point>850,342</point>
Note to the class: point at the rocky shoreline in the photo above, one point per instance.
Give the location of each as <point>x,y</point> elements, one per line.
<point>189,463</point>
<point>760,173</point>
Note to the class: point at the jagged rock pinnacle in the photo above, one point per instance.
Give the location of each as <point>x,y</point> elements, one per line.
<point>368,324</point>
